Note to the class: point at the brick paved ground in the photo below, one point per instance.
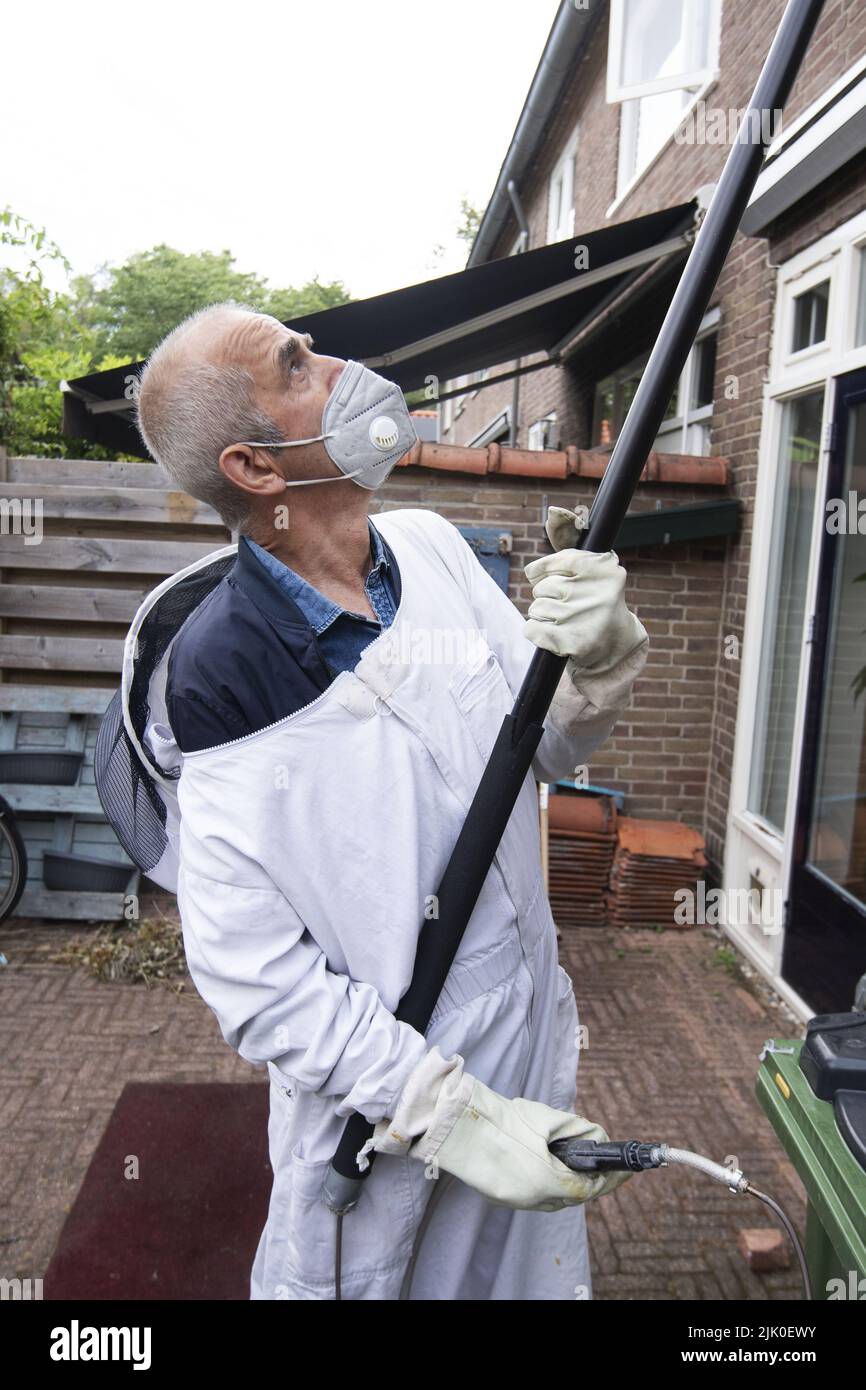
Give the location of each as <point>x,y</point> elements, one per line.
<point>672,1053</point>
<point>673,1044</point>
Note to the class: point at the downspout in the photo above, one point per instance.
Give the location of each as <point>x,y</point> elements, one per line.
<point>522,245</point>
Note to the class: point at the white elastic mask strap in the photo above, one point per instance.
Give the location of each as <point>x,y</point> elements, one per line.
<point>293,444</point>
<point>341,478</point>
<point>286,443</point>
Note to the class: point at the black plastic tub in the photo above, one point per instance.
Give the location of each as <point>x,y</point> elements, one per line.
<point>78,873</point>
<point>56,768</point>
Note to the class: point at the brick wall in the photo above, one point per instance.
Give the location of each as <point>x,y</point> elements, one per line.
<point>675,592</point>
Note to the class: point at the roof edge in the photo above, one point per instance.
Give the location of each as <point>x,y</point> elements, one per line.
<point>689,470</point>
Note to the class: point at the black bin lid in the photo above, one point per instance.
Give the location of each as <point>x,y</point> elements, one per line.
<point>833,1057</point>
<point>833,1061</point>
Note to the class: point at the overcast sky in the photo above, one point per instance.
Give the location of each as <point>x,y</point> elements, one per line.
<point>325,137</point>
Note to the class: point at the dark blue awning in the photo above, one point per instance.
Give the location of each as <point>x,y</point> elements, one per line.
<point>491,314</point>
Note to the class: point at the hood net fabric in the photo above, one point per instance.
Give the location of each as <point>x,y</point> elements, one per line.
<point>130,795</point>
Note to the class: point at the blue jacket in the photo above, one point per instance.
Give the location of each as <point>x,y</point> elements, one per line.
<point>245,658</point>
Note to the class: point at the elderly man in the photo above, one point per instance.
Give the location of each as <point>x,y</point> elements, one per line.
<point>315,712</point>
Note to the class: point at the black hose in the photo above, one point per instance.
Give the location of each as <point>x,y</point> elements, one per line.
<point>792,1236</point>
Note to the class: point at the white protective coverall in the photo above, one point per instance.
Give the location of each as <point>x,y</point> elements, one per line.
<point>309,854</point>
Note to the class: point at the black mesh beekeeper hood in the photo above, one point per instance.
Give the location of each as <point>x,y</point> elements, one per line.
<point>138,796</point>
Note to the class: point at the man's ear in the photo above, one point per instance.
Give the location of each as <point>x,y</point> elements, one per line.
<point>251,470</point>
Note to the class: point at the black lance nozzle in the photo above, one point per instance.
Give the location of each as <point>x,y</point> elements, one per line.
<point>521,730</point>
<point>592,1156</point>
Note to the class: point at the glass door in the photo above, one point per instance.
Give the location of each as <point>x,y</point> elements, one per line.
<point>785,612</point>
<point>825,940</point>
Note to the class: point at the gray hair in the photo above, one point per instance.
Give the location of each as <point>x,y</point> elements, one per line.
<point>188,411</point>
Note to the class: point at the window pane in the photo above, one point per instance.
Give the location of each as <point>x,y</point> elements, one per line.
<point>629,390</point>
<point>810,317</point>
<point>698,438</point>
<point>668,40</point>
<point>837,837</point>
<point>555,207</point>
<point>782,639</point>
<point>655,118</point>
<point>653,39</point>
<point>603,428</point>
<point>704,372</point>
<point>673,406</point>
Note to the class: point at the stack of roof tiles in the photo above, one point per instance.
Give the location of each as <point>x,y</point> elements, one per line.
<point>582,839</point>
<point>653,860</point>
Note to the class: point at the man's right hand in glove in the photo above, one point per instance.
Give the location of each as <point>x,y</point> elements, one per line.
<point>498,1146</point>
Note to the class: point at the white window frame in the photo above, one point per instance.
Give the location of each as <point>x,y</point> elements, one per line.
<point>793,288</point>
<point>626,181</point>
<point>498,427</point>
<point>541,431</point>
<point>700,83</point>
<point>749,839</point>
<point>481,375</point>
<point>618,91</point>
<point>686,415</point>
<point>562,172</point>
<point>627,369</point>
<point>461,402</point>
<point>451,410</point>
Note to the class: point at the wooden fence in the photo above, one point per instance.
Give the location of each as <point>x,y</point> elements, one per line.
<point>81,544</point>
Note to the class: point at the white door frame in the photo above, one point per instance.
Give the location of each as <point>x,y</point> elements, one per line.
<point>748,839</point>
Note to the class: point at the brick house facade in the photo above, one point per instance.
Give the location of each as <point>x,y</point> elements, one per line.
<point>673,752</point>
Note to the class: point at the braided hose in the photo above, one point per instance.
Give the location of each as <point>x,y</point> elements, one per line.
<point>729,1177</point>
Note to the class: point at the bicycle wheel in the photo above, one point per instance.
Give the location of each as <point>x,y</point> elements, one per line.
<point>13,861</point>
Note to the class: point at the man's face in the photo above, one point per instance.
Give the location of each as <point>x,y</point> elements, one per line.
<point>293,383</point>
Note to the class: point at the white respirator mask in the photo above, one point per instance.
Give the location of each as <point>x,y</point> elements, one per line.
<point>366,428</point>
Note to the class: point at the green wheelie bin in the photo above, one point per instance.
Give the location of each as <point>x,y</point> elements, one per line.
<point>814,1094</point>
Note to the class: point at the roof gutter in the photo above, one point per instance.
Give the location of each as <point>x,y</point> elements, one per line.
<point>565,44</point>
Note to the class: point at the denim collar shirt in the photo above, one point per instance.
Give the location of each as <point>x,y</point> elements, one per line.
<point>342,635</point>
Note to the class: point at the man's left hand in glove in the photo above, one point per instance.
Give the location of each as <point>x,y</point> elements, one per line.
<point>578,611</point>
<point>578,605</point>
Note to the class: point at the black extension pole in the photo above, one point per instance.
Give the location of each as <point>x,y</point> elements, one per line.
<point>521,730</point>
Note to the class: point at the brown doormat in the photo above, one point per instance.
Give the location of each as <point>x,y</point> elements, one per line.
<point>188,1225</point>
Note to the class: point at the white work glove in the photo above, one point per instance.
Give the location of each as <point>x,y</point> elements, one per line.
<point>498,1146</point>
<point>578,608</point>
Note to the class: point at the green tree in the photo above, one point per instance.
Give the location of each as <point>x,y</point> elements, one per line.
<point>26,304</point>
<point>130,308</point>
<point>470,221</point>
<point>41,341</point>
<point>113,317</point>
<point>286,305</point>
